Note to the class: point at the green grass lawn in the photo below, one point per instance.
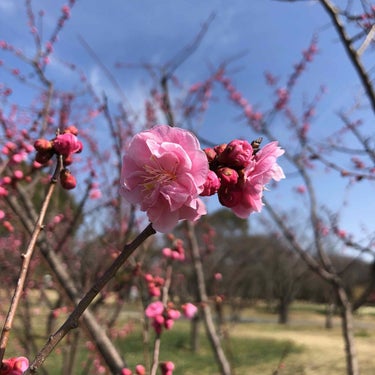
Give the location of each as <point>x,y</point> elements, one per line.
<point>243,352</point>
<point>256,347</point>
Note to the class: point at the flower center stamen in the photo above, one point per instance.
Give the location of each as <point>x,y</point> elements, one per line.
<point>157,175</point>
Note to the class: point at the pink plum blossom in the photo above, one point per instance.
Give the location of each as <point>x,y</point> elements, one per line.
<point>164,171</point>
<point>154,309</point>
<point>189,310</point>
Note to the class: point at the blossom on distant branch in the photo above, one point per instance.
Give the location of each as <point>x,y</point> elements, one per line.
<point>163,171</point>
<point>189,310</point>
<point>160,316</point>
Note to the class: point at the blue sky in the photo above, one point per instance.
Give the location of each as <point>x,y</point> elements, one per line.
<point>271,34</point>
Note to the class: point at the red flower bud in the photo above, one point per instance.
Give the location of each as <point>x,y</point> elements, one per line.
<point>220,148</point>
<point>43,145</point>
<point>229,197</point>
<point>67,180</point>
<point>210,153</point>
<point>71,129</point>
<point>212,184</point>
<point>66,144</point>
<point>237,154</point>
<point>43,157</point>
<point>227,176</point>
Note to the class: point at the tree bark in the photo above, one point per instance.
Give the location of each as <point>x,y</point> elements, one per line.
<point>207,316</point>
<point>348,332</point>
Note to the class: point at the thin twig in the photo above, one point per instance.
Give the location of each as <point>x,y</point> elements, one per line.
<point>26,256</point>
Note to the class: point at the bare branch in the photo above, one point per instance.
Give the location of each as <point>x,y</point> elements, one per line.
<point>354,57</point>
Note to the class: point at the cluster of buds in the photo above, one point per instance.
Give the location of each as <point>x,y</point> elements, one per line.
<point>161,317</point>
<point>176,252</point>
<point>14,366</point>
<point>154,284</point>
<point>227,163</point>
<point>239,172</point>
<point>65,144</point>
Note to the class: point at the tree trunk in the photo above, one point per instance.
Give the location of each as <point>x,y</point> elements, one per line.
<point>194,334</point>
<point>348,332</point>
<point>329,315</point>
<point>283,310</point>
<point>207,316</point>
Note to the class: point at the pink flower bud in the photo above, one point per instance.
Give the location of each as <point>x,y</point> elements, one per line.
<point>218,276</point>
<point>42,145</point>
<point>173,314</point>
<point>168,323</point>
<point>167,368</point>
<point>238,154</point>
<point>212,184</point>
<point>189,310</point>
<point>43,157</point>
<point>126,371</point>
<point>140,370</point>
<point>167,252</point>
<point>227,176</point>
<point>154,309</point>
<point>67,180</point>
<point>220,148</point>
<point>66,144</point>
<point>229,197</point>
<point>71,129</point>
<point>210,153</point>
<point>18,174</point>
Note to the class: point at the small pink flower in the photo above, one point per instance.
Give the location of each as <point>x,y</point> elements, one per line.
<point>126,371</point>
<point>189,310</point>
<point>154,309</point>
<point>67,144</point>
<point>164,170</point>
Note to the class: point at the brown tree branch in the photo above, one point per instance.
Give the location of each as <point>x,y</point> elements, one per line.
<point>354,56</point>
